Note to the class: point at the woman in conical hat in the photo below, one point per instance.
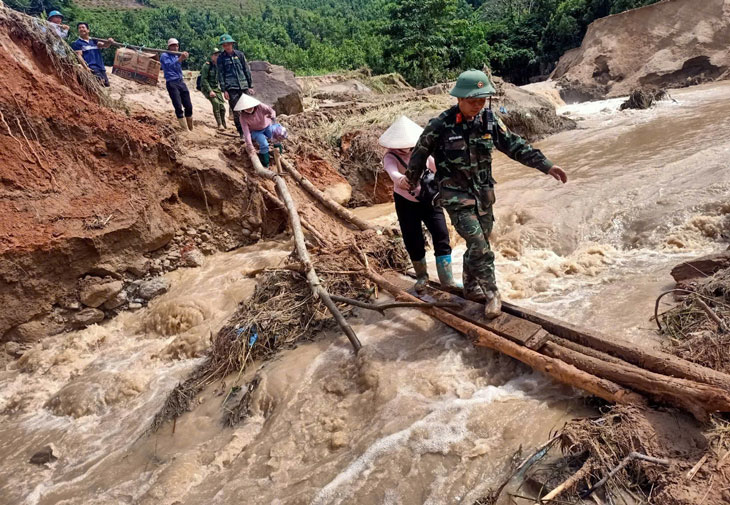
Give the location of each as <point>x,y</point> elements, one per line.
<point>399,141</point>
<point>257,120</point>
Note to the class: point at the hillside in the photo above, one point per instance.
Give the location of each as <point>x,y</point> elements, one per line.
<point>426,41</point>
<point>673,43</point>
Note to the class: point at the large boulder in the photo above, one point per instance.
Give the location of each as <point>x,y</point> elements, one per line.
<point>673,43</point>
<point>277,86</point>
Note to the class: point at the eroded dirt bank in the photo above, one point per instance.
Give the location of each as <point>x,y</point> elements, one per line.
<point>668,44</point>
<point>88,191</point>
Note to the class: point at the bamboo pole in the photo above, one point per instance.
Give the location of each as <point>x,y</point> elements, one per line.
<point>333,206</point>
<point>555,368</point>
<point>301,247</point>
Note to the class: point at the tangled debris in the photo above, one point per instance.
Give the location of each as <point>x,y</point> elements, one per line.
<point>282,313</point>
<point>644,98</point>
<point>697,327</point>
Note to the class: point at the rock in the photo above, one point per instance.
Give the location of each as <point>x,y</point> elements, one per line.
<point>139,268</point>
<point>192,232</point>
<point>34,331</point>
<point>13,349</point>
<point>48,454</point>
<point>93,295</point>
<point>340,192</point>
<point>166,264</point>
<point>134,306</point>
<point>701,267</point>
<point>277,86</point>
<point>72,305</point>
<point>117,301</point>
<point>339,439</point>
<point>151,288</point>
<point>88,316</point>
<point>193,258</point>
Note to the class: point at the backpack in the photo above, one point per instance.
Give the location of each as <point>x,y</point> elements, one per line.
<point>430,192</point>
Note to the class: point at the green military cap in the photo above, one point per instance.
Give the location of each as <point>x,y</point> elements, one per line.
<point>473,84</point>
<point>225,38</point>
<point>215,50</point>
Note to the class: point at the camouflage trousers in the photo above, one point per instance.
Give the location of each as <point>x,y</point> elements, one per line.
<point>219,107</point>
<point>475,227</point>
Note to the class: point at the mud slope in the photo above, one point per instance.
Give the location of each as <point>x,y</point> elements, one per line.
<point>673,43</point>
<point>84,189</point>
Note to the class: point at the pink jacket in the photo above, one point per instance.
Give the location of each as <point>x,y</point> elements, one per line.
<point>396,171</point>
<point>261,118</point>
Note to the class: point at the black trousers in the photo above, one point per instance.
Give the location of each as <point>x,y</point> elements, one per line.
<point>410,216</point>
<point>101,75</point>
<point>233,96</point>
<point>180,97</point>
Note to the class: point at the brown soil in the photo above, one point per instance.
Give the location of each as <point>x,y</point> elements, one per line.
<point>85,187</point>
<point>318,170</point>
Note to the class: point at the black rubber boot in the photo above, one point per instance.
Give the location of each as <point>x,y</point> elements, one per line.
<point>264,158</point>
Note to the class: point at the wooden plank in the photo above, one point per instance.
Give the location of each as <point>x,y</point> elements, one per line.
<point>649,359</point>
<point>506,325</point>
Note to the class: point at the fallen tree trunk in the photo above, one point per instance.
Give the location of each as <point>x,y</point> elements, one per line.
<point>555,368</point>
<point>651,360</point>
<point>311,229</point>
<point>333,206</point>
<point>312,278</point>
<point>697,398</point>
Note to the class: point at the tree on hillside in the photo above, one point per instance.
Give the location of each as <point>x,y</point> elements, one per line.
<point>420,33</point>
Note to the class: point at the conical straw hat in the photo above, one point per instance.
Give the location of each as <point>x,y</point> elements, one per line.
<point>246,102</point>
<point>402,134</point>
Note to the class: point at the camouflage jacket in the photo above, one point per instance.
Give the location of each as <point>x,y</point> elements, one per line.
<point>209,78</point>
<point>233,71</point>
<point>463,154</point>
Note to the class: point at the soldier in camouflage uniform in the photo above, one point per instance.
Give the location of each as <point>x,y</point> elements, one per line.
<point>211,89</point>
<point>461,140</point>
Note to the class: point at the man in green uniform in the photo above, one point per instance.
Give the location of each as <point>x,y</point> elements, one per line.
<point>234,76</point>
<point>211,89</point>
<point>461,141</point>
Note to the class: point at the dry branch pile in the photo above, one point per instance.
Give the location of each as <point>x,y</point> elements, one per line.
<point>692,326</point>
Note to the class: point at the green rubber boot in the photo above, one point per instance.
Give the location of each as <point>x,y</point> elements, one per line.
<point>421,275</point>
<point>264,158</point>
<point>446,276</point>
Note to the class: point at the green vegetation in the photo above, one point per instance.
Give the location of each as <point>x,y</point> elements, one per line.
<point>425,40</point>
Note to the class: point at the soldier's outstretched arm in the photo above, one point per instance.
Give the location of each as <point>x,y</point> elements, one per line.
<point>518,148</point>
<point>425,147</point>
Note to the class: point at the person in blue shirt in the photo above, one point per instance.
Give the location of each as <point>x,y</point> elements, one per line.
<point>176,88</point>
<point>89,52</point>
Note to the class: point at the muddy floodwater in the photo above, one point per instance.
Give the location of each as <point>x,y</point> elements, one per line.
<point>420,416</point>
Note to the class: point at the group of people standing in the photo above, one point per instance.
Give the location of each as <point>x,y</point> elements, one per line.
<point>456,147</point>
<point>225,76</point>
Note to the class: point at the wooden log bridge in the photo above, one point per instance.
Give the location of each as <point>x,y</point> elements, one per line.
<point>603,366</point>
<point>600,365</point>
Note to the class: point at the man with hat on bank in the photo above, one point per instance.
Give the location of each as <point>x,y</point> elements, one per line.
<point>234,76</point>
<point>55,19</point>
<point>211,89</point>
<point>461,141</point>
<point>176,88</point>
